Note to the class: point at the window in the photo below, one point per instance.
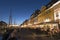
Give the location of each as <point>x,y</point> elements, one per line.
<point>47,20</point>
<point>57,14</point>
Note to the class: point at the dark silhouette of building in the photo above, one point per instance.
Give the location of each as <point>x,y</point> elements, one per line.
<point>3,24</point>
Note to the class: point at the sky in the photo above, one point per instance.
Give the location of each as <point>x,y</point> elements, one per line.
<point>21,9</point>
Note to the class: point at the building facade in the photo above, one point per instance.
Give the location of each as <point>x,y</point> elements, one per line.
<point>47,18</point>
<point>50,18</point>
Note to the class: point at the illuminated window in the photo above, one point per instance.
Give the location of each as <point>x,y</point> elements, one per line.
<point>47,20</point>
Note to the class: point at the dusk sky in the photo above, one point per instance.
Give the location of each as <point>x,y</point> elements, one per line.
<point>21,9</point>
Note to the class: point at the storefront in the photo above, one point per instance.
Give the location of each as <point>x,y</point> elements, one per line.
<point>48,25</point>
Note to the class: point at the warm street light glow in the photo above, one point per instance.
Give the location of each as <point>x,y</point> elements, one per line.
<point>13,25</point>
<point>29,24</point>
<point>22,26</point>
<point>37,25</point>
<point>25,25</point>
<point>41,26</point>
<point>47,20</point>
<point>35,22</point>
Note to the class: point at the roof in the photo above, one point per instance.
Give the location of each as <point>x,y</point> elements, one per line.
<point>51,3</point>
<point>2,22</point>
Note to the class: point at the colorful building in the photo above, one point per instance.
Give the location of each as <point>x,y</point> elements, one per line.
<point>48,17</point>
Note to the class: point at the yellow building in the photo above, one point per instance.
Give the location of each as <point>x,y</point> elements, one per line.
<point>33,19</point>
<point>49,18</point>
<point>24,24</point>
